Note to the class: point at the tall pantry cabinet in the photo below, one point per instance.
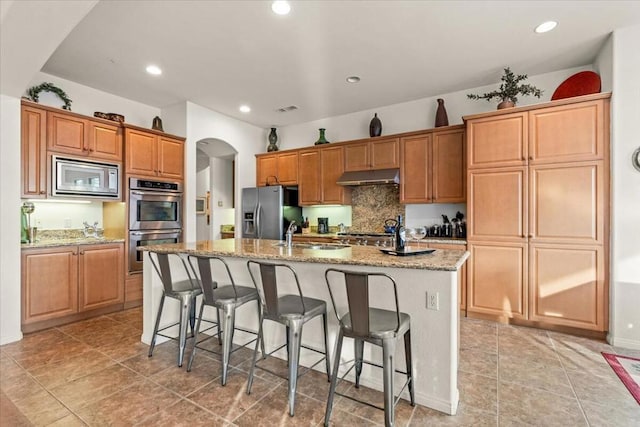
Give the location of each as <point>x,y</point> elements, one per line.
<point>538,201</point>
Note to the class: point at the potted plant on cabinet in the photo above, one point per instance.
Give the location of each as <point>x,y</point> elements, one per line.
<point>509,90</point>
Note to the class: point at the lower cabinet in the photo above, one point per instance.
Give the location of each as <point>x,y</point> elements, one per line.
<point>60,283</point>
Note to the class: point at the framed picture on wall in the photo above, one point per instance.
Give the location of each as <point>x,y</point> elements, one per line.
<point>201,205</point>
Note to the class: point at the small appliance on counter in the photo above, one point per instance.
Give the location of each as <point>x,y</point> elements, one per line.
<point>323,225</point>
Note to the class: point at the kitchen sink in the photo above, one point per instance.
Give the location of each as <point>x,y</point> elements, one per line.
<point>318,246</point>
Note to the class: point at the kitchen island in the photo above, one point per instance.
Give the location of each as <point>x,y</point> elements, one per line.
<point>435,332</point>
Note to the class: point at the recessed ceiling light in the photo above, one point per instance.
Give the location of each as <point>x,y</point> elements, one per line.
<point>281,7</point>
<point>245,109</point>
<point>154,69</point>
<point>546,26</point>
<point>353,79</point>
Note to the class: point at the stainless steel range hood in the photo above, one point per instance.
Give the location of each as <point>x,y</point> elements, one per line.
<point>373,177</point>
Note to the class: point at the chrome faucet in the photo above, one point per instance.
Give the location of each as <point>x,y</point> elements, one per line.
<point>289,234</point>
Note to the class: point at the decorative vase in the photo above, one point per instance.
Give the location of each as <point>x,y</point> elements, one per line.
<point>157,124</point>
<point>273,140</point>
<point>441,114</point>
<point>321,138</point>
<point>506,104</point>
<point>375,127</point>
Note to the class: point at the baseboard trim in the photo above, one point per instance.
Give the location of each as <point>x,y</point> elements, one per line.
<point>623,342</point>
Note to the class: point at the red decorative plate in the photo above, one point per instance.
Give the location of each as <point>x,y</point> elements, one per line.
<point>582,83</point>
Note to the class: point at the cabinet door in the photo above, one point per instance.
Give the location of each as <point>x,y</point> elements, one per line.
<point>101,278</point>
<point>331,159</point>
<point>34,152</point>
<point>49,283</point>
<point>567,286</point>
<point>67,134</point>
<point>142,153</point>
<point>415,180</point>
<point>462,274</point>
<point>448,164</point>
<point>385,154</point>
<point>105,141</point>
<point>309,177</point>
<point>497,207</point>
<point>567,203</point>
<point>497,279</point>
<point>266,169</point>
<point>288,168</point>
<point>568,133</point>
<point>170,158</point>
<point>356,156</point>
<point>497,141</point>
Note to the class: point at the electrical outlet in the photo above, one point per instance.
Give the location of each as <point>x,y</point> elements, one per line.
<point>67,223</point>
<point>433,300</point>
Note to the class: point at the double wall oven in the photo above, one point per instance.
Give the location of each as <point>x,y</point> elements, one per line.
<point>155,216</point>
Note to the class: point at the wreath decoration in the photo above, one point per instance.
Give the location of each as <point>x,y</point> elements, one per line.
<point>34,94</point>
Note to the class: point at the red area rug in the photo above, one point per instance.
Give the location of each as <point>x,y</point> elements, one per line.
<point>628,370</point>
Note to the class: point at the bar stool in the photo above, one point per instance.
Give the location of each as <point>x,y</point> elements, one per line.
<point>290,310</point>
<point>373,325</point>
<point>185,291</point>
<point>227,298</point>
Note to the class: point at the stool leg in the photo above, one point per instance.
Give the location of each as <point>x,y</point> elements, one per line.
<point>388,353</point>
<point>185,301</point>
<point>157,325</point>
<point>359,352</point>
<point>295,340</point>
<point>192,315</point>
<point>195,341</point>
<point>219,327</point>
<point>255,353</point>
<point>286,334</point>
<point>227,340</point>
<point>334,378</point>
<point>407,356</point>
<point>264,353</point>
<point>326,346</point>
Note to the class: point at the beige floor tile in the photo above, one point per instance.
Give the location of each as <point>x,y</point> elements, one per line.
<point>65,349</point>
<point>147,366</point>
<point>478,391</point>
<point>527,406</point>
<point>466,416</point>
<point>129,405</point>
<point>89,327</point>
<point>183,413</point>
<point>476,335</point>
<point>473,361</point>
<point>204,371</point>
<point>403,413</point>
<point>58,373</point>
<point>10,415</point>
<point>543,374</point>
<point>124,348</point>
<point>34,342</point>
<point>605,416</point>
<point>41,408</point>
<point>603,390</point>
<point>68,421</point>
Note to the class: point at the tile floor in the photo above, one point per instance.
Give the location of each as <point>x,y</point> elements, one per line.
<point>97,372</point>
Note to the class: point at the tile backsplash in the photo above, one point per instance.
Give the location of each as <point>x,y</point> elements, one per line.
<point>372,205</point>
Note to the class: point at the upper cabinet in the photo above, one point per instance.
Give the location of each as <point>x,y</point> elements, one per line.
<point>372,154</point>
<point>34,152</point>
<point>78,136</point>
<point>153,154</point>
<point>319,169</point>
<point>433,167</point>
<point>277,168</point>
<point>498,141</point>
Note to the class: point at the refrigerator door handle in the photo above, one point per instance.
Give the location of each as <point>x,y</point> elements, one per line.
<point>257,217</point>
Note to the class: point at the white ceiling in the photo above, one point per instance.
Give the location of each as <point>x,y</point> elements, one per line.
<point>221,54</point>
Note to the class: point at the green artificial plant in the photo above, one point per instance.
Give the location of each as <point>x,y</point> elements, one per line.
<point>510,88</point>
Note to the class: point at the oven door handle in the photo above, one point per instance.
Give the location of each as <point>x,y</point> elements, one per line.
<point>143,233</point>
<point>155,193</point>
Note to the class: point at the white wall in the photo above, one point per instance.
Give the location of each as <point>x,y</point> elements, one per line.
<point>603,65</point>
<point>9,219</point>
<point>625,258</point>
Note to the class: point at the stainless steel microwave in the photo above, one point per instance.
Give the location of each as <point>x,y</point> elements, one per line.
<point>84,178</point>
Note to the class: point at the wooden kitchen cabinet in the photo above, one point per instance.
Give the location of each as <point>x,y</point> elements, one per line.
<point>277,168</point>
<point>497,279</point>
<point>433,167</point>
<point>462,275</point>
<point>153,154</point>
<point>319,169</point>
<point>49,283</point>
<point>70,134</point>
<point>538,205</point>
<point>33,152</point>
<point>372,154</point>
<point>100,276</point>
<point>61,284</point>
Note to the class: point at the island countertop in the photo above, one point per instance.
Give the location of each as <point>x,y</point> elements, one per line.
<point>443,260</point>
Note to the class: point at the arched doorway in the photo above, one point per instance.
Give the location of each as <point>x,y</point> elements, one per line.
<point>215,176</point>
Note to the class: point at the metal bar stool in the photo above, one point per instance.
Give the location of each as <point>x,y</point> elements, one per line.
<point>290,310</point>
<point>185,291</point>
<point>227,298</point>
<point>373,325</point>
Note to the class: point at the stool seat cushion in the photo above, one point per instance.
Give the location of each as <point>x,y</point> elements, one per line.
<point>224,295</point>
<point>290,307</point>
<point>184,286</point>
<point>382,324</point>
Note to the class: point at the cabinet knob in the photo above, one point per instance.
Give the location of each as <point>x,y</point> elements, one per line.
<point>531,236</point>
<point>530,157</point>
<point>42,192</point>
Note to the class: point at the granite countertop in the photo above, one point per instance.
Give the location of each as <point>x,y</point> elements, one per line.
<point>444,260</point>
<point>51,243</point>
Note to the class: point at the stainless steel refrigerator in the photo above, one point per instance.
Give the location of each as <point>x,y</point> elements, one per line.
<point>267,211</point>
